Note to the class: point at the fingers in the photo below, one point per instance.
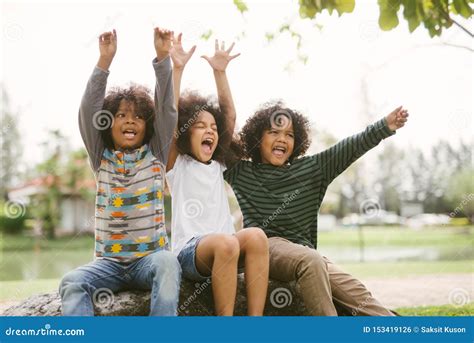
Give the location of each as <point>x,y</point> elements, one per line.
<point>230,48</point>
<point>216,45</point>
<point>191,52</point>
<point>401,117</point>
<point>164,33</point>
<point>179,38</point>
<point>234,56</point>
<point>223,45</point>
<point>107,37</point>
<point>207,58</point>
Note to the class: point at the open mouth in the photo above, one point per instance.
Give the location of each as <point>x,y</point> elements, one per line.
<point>129,133</point>
<point>207,145</point>
<point>279,151</point>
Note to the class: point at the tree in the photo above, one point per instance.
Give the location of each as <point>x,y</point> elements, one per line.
<point>10,146</point>
<point>435,15</point>
<point>461,194</point>
<point>46,206</point>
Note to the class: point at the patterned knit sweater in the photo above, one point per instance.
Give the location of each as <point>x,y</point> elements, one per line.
<point>130,218</point>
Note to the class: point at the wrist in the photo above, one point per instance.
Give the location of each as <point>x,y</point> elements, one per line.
<point>104,62</point>
<point>161,55</point>
<point>218,72</point>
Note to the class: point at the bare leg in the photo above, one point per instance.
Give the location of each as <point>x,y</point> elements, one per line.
<point>218,255</point>
<point>254,250</point>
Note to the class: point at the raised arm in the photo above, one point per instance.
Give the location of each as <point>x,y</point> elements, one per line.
<point>92,119</point>
<point>219,63</point>
<point>165,110</point>
<point>337,158</point>
<point>180,58</point>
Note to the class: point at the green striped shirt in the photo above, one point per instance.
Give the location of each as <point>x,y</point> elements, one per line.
<point>285,201</point>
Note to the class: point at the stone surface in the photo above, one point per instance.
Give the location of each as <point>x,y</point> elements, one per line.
<point>195,300</point>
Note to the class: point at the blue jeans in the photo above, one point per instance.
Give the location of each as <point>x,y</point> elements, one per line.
<point>96,281</point>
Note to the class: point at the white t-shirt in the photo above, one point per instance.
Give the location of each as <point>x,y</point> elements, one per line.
<point>199,200</point>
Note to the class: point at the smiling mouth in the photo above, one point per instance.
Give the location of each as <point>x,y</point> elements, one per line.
<point>279,151</point>
<point>129,133</point>
<point>207,145</point>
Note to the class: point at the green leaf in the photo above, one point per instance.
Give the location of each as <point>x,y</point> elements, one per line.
<point>308,12</point>
<point>344,6</point>
<point>206,35</point>
<point>241,6</point>
<point>388,20</point>
<point>462,7</point>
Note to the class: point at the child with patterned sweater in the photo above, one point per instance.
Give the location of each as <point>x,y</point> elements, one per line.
<point>127,136</point>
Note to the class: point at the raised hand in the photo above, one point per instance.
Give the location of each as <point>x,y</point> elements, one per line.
<point>221,57</point>
<point>107,48</point>
<point>162,41</point>
<point>397,118</point>
<point>178,55</point>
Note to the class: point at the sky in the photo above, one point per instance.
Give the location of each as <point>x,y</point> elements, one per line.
<point>48,51</point>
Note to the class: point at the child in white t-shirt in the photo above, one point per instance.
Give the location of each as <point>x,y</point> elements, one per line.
<point>202,231</point>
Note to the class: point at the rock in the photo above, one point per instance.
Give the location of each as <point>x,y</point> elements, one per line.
<point>195,300</point>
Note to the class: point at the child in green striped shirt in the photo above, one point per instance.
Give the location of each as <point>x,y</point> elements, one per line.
<point>280,190</point>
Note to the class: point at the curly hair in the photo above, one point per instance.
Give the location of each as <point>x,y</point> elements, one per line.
<point>141,97</point>
<point>191,104</point>
<point>252,132</point>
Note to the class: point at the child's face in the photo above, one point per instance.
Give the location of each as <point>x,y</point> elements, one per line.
<point>277,145</point>
<point>128,130</point>
<point>204,137</point>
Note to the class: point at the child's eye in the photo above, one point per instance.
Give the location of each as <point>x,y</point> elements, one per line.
<point>291,135</point>
<point>139,116</point>
<point>120,115</point>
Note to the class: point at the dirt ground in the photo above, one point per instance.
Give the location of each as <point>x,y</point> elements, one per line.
<point>424,290</point>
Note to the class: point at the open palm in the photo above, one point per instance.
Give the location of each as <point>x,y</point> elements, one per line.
<point>178,55</point>
<point>221,57</point>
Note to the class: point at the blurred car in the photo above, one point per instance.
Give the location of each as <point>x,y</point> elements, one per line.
<point>379,217</point>
<point>427,219</point>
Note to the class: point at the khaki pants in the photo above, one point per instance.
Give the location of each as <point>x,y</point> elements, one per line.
<point>320,283</point>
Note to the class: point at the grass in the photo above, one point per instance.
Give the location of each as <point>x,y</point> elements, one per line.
<point>22,289</point>
<point>399,236</point>
<point>443,310</point>
<point>373,236</point>
<point>10,242</point>
<point>404,269</point>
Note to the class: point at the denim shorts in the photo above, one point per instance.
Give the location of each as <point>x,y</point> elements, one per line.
<point>187,259</point>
